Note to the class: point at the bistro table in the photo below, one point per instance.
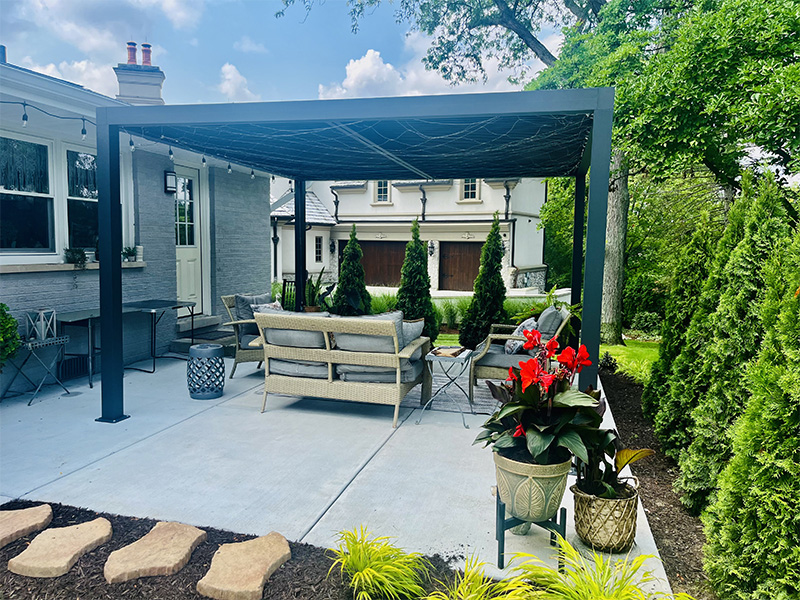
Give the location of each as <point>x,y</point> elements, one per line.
<point>453,360</point>
<point>34,347</point>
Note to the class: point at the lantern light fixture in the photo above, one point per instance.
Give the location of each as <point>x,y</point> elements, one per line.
<point>170,182</point>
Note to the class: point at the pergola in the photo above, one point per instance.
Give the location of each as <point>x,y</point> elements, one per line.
<point>559,133</point>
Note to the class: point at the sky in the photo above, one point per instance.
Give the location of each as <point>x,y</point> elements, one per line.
<point>229,50</point>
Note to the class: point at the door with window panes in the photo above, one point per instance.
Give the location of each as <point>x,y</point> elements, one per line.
<point>189,266</point>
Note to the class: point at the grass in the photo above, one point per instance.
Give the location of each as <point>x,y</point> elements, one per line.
<point>447,339</point>
<point>634,359</point>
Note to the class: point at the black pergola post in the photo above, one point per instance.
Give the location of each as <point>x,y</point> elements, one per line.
<point>299,244</point>
<point>109,222</point>
<point>577,239</point>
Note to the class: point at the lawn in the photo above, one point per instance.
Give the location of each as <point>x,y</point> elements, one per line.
<point>634,359</point>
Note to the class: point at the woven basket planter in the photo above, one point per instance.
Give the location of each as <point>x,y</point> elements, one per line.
<point>531,492</point>
<point>603,524</point>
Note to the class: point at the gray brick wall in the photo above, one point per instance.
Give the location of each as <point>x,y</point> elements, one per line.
<point>240,235</point>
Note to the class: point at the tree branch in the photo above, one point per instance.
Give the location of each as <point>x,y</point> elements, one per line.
<point>509,21</point>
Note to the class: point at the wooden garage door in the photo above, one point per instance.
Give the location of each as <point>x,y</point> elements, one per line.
<point>459,263</point>
<point>382,262</point>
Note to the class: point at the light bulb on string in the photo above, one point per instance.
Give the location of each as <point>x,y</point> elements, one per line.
<point>83,129</point>
<point>24,114</point>
<point>130,143</point>
<point>203,161</point>
<point>230,169</point>
<point>171,154</point>
<point>252,174</point>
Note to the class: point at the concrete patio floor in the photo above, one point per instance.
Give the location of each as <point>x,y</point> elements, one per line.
<point>305,468</point>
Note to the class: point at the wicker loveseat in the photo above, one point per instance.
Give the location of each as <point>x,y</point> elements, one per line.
<point>383,375</point>
<point>244,352</point>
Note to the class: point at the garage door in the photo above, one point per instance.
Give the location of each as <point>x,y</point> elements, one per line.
<point>382,262</point>
<point>459,263</point>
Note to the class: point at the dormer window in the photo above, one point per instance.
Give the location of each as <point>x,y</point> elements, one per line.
<point>470,190</point>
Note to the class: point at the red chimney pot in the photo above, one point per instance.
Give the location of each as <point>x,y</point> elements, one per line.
<point>146,54</point>
<point>131,53</point>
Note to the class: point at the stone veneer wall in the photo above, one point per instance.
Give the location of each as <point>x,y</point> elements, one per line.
<point>532,278</point>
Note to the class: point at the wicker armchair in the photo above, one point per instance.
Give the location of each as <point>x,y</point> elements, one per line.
<point>245,354</point>
<point>489,361</point>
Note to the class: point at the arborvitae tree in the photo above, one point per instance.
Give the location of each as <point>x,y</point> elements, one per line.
<point>688,279</point>
<point>753,526</point>
<point>737,336</point>
<point>686,383</point>
<point>490,292</point>
<point>414,294</point>
<point>351,297</point>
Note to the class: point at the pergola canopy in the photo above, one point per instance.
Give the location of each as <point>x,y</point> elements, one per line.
<point>557,133</point>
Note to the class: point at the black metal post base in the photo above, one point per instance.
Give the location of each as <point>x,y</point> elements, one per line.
<point>556,525</point>
<point>112,419</point>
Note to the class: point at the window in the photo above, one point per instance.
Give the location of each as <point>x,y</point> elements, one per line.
<point>184,213</point>
<point>469,191</point>
<point>318,249</point>
<point>382,191</point>
<point>82,199</point>
<point>26,207</point>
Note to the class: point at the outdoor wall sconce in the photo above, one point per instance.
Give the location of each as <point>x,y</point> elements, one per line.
<point>170,182</point>
<point>332,246</point>
<point>431,248</point>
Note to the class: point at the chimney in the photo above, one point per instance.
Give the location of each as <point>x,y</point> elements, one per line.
<point>146,55</point>
<point>139,84</point>
<point>2,54</point>
<point>132,53</point>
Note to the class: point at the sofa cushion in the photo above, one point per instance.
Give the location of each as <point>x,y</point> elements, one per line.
<point>496,357</point>
<point>293,337</point>
<point>413,371</point>
<point>246,341</point>
<point>405,364</point>
<point>243,311</point>
<point>257,308</point>
<point>357,342</point>
<point>549,322</point>
<point>412,330</point>
<point>515,346</point>
<point>298,368</point>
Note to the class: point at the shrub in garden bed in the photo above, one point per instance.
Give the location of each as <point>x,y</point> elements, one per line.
<point>414,295</point>
<point>351,297</point>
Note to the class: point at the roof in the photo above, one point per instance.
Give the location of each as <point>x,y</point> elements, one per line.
<point>491,135</point>
<point>316,213</point>
<point>63,82</point>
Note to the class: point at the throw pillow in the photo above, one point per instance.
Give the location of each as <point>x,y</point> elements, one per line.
<point>293,337</point>
<point>515,346</point>
<point>550,321</point>
<point>412,330</point>
<point>353,342</point>
<point>243,311</point>
<point>260,308</point>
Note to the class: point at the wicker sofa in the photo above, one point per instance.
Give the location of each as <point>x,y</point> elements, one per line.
<point>378,376</point>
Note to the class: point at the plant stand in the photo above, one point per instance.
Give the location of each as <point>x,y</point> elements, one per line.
<point>556,525</point>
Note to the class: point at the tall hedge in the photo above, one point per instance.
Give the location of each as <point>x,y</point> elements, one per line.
<point>490,292</point>
<point>414,294</point>
<point>737,334</point>
<point>686,382</point>
<point>351,297</point>
<point>688,278</point>
<point>753,527</point>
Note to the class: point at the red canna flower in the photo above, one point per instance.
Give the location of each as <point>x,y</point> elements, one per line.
<point>582,360</point>
<point>552,346</point>
<point>511,375</point>
<point>546,380</point>
<point>519,431</point>
<point>530,372</point>
<point>534,338</point>
<point>567,358</point>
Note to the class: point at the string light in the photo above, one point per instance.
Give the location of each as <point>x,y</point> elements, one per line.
<point>171,154</point>
<point>130,143</point>
<point>252,174</point>
<point>83,129</point>
<point>230,169</point>
<point>203,161</point>
<point>24,114</point>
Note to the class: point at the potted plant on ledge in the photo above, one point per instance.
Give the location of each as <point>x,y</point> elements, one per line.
<point>541,422</point>
<point>605,503</point>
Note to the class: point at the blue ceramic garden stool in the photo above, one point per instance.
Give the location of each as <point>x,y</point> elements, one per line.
<point>205,371</point>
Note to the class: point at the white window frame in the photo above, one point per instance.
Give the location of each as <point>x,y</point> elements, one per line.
<point>68,146</point>
<point>319,257</point>
<point>376,201</point>
<point>477,199</point>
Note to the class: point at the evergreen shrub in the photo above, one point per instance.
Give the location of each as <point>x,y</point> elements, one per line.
<point>642,294</point>
<point>9,336</point>
<point>351,297</point>
<point>753,526</point>
<point>414,295</point>
<point>490,292</point>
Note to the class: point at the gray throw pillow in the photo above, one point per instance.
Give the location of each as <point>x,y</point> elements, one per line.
<point>515,346</point>
<point>243,311</point>
<point>412,330</point>
<point>354,342</point>
<point>549,322</point>
<point>293,337</point>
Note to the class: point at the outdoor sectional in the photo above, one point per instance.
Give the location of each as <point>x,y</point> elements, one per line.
<point>362,359</point>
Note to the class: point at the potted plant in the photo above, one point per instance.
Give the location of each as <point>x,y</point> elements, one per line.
<point>75,256</point>
<point>129,254</point>
<point>541,422</point>
<point>315,296</point>
<point>605,503</point>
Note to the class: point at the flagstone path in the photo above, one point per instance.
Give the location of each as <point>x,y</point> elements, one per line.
<point>15,524</point>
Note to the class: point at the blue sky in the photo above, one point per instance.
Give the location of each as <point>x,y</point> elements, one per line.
<point>228,50</point>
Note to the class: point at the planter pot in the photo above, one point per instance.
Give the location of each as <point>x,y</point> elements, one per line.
<point>603,524</point>
<point>531,492</point>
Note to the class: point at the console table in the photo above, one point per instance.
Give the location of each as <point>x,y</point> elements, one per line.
<point>34,347</point>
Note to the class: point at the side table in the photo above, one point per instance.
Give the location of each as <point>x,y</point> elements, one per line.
<point>452,367</point>
<point>33,347</point>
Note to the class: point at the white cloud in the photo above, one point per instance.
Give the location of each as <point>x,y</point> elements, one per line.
<point>97,77</point>
<point>183,14</point>
<point>247,45</point>
<point>234,85</point>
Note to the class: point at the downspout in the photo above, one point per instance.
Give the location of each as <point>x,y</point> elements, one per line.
<point>335,205</point>
<point>424,200</point>
<point>275,240</point>
<point>507,197</point>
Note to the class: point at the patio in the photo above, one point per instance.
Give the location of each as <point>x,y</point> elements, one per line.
<point>305,468</point>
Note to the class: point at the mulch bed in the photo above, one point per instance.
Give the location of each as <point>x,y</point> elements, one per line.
<point>678,535</point>
<point>304,577</point>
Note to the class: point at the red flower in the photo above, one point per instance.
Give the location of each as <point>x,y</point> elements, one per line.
<point>534,338</point>
<point>567,358</point>
<point>552,346</point>
<point>519,431</point>
<point>582,360</point>
<point>547,380</point>
<point>530,372</point>
<point>511,375</point>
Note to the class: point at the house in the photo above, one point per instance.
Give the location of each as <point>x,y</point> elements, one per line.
<point>454,215</point>
<point>195,244</point>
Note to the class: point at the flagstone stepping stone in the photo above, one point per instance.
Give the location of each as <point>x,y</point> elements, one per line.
<point>165,550</point>
<point>15,524</point>
<point>53,552</point>
<point>239,571</point>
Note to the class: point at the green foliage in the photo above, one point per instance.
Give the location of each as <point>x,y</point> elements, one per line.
<point>474,585</point>
<point>129,252</point>
<point>556,217</point>
<point>638,370</point>
<point>515,306</point>
<point>351,297</point>
<point>377,569</point>
<point>753,548</point>
<point>686,383</point>
<point>414,294</point>
<point>462,306</point>
<point>383,303</point>
<point>647,322</point>
<point>486,306</point>
<point>77,257</point>
<point>9,336</point>
<point>590,579</point>
<point>315,294</point>
<point>691,272</point>
<point>449,314</point>
<point>737,334</point>
<point>642,294</point>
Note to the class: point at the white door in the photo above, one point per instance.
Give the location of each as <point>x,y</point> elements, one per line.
<point>189,264</point>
